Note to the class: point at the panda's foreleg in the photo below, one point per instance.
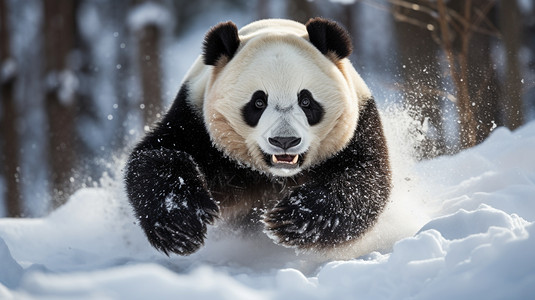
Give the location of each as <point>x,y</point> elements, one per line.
<point>343,196</point>
<point>170,199</point>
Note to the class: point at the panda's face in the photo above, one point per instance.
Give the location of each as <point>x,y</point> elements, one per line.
<point>283,128</point>
<point>280,108</point>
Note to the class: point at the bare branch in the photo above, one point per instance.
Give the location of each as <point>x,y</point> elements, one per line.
<point>415,7</point>
<point>404,18</point>
<point>457,21</point>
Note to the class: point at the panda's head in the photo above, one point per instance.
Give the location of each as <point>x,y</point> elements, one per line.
<point>281,95</point>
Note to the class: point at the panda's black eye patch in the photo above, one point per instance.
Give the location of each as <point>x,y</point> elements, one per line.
<point>312,109</point>
<point>252,111</point>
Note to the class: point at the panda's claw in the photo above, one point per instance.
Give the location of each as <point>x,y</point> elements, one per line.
<point>282,224</point>
<point>182,239</point>
<point>180,232</point>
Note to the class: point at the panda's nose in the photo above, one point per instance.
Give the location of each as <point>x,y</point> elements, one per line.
<point>284,142</point>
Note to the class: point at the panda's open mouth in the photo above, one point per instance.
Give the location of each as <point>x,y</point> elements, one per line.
<point>285,161</point>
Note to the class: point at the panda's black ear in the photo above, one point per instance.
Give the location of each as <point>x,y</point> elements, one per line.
<point>328,36</point>
<point>221,41</point>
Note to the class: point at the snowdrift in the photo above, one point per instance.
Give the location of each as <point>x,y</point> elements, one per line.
<point>460,227</point>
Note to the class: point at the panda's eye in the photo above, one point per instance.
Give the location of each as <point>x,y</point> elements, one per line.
<point>260,103</point>
<point>305,102</point>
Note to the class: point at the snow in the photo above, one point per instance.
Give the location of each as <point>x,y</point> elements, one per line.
<point>526,5</point>
<point>458,227</point>
<point>11,270</point>
<point>149,13</point>
<point>8,70</point>
<point>66,83</point>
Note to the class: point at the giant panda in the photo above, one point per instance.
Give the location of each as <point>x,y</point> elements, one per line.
<point>272,132</point>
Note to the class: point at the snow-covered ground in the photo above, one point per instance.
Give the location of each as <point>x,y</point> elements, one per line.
<point>461,228</point>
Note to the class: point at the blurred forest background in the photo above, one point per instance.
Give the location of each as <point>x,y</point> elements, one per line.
<point>82,80</point>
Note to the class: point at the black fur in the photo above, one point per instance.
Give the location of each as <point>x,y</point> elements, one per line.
<point>328,36</point>
<point>342,198</point>
<point>221,41</point>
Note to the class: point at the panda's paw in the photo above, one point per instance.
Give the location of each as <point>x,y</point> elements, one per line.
<point>180,231</point>
<point>309,218</point>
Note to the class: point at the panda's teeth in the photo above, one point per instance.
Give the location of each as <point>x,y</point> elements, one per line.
<point>284,159</point>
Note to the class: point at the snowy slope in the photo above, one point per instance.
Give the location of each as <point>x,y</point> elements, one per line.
<point>462,226</point>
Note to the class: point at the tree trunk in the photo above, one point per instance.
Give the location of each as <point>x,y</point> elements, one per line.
<point>481,89</point>
<point>418,65</point>
<point>458,66</point>
<point>262,9</point>
<point>149,60</point>
<point>300,10</point>
<point>124,104</point>
<point>59,37</point>
<point>8,121</point>
<point>512,103</point>
<point>149,39</point>
<point>484,88</point>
